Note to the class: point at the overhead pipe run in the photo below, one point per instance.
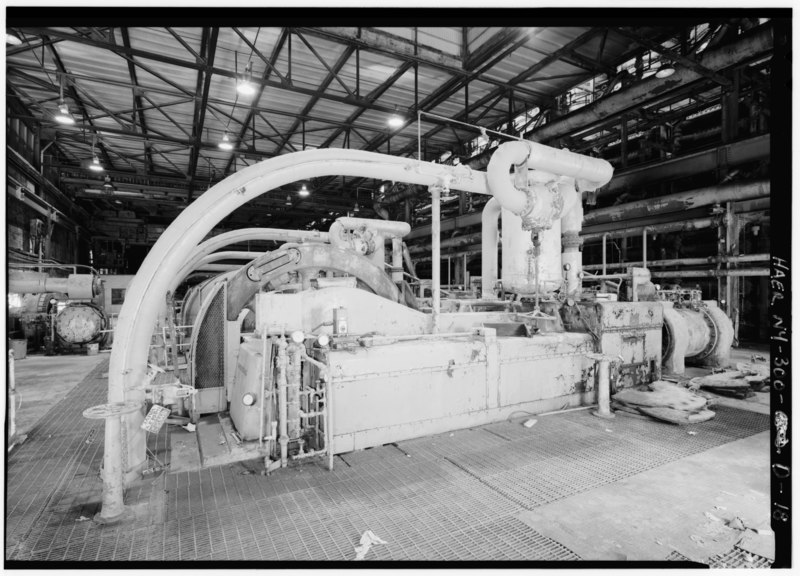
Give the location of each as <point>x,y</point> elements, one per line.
<point>79,286</point>
<point>639,93</point>
<point>679,202</point>
<point>685,262</point>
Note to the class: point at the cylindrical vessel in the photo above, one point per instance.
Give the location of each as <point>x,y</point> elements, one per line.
<point>80,323</point>
<point>518,261</point>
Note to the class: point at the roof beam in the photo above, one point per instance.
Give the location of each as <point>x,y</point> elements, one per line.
<point>209,52</point>
<point>343,58</point>
<point>273,59</point>
<point>74,94</point>
<point>673,56</point>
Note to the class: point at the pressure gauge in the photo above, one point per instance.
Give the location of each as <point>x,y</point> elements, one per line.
<point>323,340</point>
<point>298,337</point>
<point>248,399</point>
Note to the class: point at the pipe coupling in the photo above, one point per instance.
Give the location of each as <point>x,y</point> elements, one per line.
<point>571,240</point>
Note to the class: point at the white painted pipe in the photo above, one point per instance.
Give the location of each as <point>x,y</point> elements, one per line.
<point>237,236</point>
<point>489,241</point>
<point>436,250</point>
<point>589,173</point>
<point>386,228</point>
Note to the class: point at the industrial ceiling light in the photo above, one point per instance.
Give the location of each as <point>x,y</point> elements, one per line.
<point>665,70</point>
<point>13,39</point>
<point>95,165</point>
<point>382,189</point>
<point>108,186</point>
<point>245,85</point>
<point>226,143</point>
<point>304,191</point>
<point>288,200</point>
<point>63,116</point>
<point>395,120</point>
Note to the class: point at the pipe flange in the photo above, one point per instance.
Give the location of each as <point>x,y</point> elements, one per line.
<point>571,240</point>
<point>712,341</point>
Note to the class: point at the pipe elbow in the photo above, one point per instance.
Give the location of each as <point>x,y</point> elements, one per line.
<point>497,176</point>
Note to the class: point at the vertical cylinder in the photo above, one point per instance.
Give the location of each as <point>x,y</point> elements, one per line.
<point>12,397</point>
<point>113,505</point>
<point>644,247</point>
<point>604,252</point>
<point>397,261</point>
<point>489,241</point>
<point>329,421</point>
<point>436,263</point>
<point>603,389</point>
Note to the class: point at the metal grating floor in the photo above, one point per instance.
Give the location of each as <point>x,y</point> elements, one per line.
<point>455,496</point>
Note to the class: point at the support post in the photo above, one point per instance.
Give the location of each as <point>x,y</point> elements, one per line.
<point>603,364</point>
<point>12,399</point>
<point>113,509</point>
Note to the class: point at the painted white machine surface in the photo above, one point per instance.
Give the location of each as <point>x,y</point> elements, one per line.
<point>518,261</point>
<point>428,387</point>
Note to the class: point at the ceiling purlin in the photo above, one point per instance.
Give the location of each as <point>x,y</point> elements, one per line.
<point>685,61</point>
<point>332,72</point>
<point>138,105</point>
<point>77,99</point>
<point>209,51</point>
<point>271,62</point>
<point>482,62</point>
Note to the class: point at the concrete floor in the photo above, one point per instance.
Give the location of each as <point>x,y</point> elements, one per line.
<point>571,487</point>
<point>43,381</point>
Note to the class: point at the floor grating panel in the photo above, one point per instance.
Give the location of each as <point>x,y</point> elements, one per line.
<point>453,496</point>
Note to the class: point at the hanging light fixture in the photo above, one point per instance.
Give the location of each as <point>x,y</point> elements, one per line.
<point>245,85</point>
<point>483,139</point>
<point>356,208</point>
<point>665,70</point>
<point>95,166</point>
<point>382,189</point>
<point>395,120</point>
<point>108,186</point>
<point>288,200</point>
<point>304,191</point>
<point>63,116</point>
<point>226,142</point>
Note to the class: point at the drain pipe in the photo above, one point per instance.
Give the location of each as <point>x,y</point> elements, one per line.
<point>489,241</point>
<point>605,236</point>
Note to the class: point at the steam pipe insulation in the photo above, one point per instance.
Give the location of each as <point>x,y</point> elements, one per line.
<point>489,243</point>
<point>679,202</point>
<point>79,286</point>
<point>237,236</point>
<point>281,363</point>
<point>541,203</point>
<point>293,390</point>
<point>147,291</point>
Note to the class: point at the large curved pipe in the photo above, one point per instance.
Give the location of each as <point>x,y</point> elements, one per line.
<point>489,241</point>
<point>128,363</point>
<point>236,236</point>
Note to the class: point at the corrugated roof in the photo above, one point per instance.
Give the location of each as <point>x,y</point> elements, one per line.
<point>168,64</point>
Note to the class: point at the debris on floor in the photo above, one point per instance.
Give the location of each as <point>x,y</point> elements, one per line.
<point>529,423</point>
<point>740,382</point>
<point>664,401</point>
<point>368,538</point>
